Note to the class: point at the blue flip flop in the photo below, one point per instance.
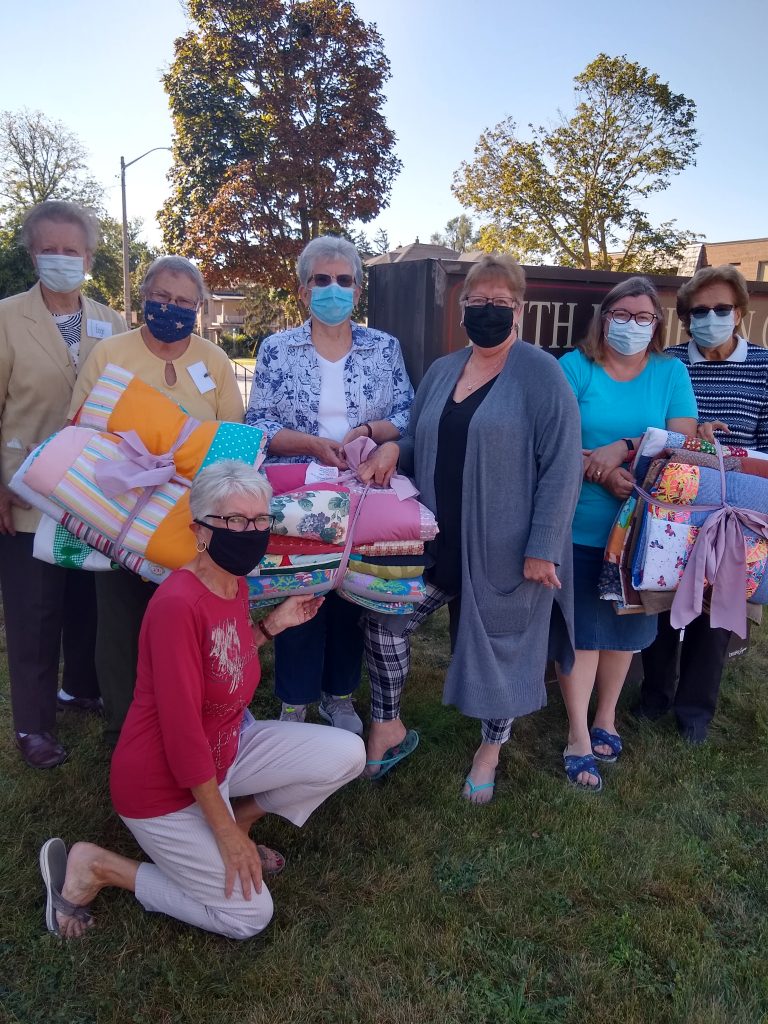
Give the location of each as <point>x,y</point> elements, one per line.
<point>476,789</point>
<point>394,755</point>
<point>575,765</point>
<point>606,739</point>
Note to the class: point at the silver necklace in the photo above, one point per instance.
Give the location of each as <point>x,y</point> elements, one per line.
<point>470,385</point>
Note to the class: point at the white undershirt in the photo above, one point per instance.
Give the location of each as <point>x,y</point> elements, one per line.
<point>332,413</point>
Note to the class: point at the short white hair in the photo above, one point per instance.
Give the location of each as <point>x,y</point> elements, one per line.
<point>328,247</point>
<point>61,211</point>
<point>216,483</point>
<point>176,265</point>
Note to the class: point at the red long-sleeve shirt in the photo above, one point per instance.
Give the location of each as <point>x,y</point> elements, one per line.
<point>198,669</point>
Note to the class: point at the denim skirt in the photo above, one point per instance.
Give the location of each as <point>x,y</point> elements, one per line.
<point>597,627</point>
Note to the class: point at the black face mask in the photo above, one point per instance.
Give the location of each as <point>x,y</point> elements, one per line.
<point>487,326</point>
<point>236,553</point>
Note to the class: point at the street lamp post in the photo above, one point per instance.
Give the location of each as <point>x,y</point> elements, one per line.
<point>126,261</point>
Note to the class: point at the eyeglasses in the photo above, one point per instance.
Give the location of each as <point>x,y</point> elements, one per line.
<point>239,524</point>
<point>476,301</point>
<point>323,280</point>
<point>172,300</point>
<point>623,316</point>
<point>721,309</point>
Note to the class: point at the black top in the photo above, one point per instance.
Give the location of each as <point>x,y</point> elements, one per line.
<point>449,476</point>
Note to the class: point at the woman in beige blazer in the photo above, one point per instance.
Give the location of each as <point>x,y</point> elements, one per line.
<point>45,334</point>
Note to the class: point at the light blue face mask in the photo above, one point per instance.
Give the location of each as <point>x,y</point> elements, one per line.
<point>332,305</point>
<point>630,338</point>
<point>60,273</point>
<point>711,331</point>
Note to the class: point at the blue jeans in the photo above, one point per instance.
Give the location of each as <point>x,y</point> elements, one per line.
<point>325,654</point>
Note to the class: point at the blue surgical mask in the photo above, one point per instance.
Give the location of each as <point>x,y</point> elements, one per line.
<point>333,304</point>
<point>168,323</point>
<point>711,331</point>
<point>60,273</point>
<point>630,338</point>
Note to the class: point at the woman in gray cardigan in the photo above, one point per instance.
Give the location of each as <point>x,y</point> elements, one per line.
<point>494,446</point>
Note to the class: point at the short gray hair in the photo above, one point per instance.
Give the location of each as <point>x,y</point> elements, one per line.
<point>176,265</point>
<point>219,481</point>
<point>328,247</point>
<point>59,211</point>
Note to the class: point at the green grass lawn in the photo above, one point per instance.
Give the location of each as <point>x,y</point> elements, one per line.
<point>401,904</point>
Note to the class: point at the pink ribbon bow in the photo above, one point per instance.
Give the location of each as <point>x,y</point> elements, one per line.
<point>139,467</point>
<point>357,451</point>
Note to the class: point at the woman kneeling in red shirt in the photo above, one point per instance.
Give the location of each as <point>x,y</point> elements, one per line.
<point>193,770</point>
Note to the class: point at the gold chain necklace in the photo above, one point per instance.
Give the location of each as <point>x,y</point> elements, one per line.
<point>470,385</point>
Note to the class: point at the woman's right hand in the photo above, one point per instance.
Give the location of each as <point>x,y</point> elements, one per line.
<point>241,860</point>
<point>619,482</point>
<point>7,500</point>
<point>326,451</point>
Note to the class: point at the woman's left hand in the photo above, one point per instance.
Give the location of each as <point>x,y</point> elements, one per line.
<point>351,435</point>
<point>620,483</point>
<point>540,571</point>
<point>599,462</point>
<point>380,465</point>
<point>295,611</point>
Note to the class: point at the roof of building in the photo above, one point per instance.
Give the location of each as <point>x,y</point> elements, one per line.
<point>415,251</point>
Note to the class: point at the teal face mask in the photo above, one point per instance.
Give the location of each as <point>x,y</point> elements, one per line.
<point>332,305</point>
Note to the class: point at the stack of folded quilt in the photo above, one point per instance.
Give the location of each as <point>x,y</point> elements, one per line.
<point>377,562</point>
<point>114,490</point>
<point>655,533</point>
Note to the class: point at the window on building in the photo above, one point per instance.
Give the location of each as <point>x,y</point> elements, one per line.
<point>762,270</point>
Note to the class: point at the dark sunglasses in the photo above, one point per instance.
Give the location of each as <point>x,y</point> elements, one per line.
<point>342,280</point>
<point>722,309</point>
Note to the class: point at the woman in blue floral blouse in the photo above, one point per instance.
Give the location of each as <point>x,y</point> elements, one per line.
<point>315,388</point>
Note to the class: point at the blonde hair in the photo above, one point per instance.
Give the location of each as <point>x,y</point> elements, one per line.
<point>499,268</point>
<point>593,345</point>
<point>712,275</point>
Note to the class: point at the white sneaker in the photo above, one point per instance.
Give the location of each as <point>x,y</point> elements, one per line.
<point>293,713</point>
<point>340,712</point>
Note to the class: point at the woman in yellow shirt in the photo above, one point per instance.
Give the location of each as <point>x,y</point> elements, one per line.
<point>198,376</point>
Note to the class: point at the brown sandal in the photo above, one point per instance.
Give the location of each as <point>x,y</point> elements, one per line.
<point>272,862</point>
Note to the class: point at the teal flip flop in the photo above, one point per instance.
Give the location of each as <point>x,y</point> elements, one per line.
<point>394,755</point>
<point>476,789</point>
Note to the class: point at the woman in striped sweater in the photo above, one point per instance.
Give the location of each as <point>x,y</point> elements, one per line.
<point>730,382</point>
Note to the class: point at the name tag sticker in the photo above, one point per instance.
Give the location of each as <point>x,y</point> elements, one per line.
<point>203,380</point>
<point>98,329</point>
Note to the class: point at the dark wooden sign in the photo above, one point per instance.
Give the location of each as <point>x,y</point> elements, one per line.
<point>418,302</point>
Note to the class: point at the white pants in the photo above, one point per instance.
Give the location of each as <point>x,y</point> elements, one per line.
<point>290,768</point>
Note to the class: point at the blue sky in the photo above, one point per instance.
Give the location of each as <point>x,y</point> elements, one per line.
<point>457,68</point>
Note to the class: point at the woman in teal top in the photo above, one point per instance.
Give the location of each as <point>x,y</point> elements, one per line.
<point>623,384</point>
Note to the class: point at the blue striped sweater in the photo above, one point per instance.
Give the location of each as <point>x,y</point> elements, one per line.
<point>734,392</point>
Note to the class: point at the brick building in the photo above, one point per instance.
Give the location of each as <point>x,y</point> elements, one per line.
<point>750,255</point>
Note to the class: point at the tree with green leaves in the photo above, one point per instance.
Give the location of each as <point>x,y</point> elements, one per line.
<point>279,134</point>
<point>105,283</point>
<point>460,234</point>
<point>41,159</point>
<point>572,194</point>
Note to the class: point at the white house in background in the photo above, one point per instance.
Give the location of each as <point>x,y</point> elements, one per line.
<point>222,313</point>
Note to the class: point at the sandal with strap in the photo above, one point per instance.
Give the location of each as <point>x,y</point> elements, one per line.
<point>393,756</point>
<point>272,862</point>
<point>602,738</point>
<point>477,789</point>
<point>575,765</point>
<point>53,868</point>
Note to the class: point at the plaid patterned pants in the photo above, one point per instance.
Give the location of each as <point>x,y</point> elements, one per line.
<point>388,658</point>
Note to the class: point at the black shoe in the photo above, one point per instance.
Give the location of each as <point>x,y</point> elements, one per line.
<point>694,735</point>
<point>85,705</point>
<point>41,750</point>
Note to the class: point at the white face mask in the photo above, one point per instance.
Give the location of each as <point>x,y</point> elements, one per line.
<point>711,331</point>
<point>60,273</point>
<point>630,338</point>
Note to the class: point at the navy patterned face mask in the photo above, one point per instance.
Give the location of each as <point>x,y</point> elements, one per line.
<point>168,323</point>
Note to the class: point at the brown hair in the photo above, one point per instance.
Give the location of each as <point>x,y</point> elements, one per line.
<point>593,345</point>
<point>712,275</point>
<point>501,268</point>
